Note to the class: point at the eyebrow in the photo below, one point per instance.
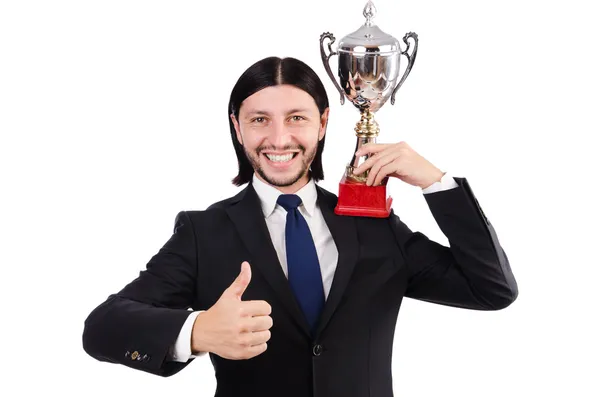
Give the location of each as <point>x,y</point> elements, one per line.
<point>266,113</point>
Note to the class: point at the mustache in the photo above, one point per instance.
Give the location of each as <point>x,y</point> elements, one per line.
<point>281,149</point>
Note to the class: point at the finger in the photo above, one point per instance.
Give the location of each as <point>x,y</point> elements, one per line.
<point>372,159</point>
<point>255,308</point>
<point>364,166</point>
<point>255,350</point>
<point>239,285</point>
<point>258,337</point>
<point>383,172</point>
<point>367,164</point>
<point>372,148</point>
<point>382,162</point>
<point>259,323</point>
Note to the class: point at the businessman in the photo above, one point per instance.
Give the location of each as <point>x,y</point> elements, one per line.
<point>287,298</point>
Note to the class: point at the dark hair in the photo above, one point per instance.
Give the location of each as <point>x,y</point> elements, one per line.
<point>266,73</point>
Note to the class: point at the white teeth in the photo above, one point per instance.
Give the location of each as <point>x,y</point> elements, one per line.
<point>280,158</point>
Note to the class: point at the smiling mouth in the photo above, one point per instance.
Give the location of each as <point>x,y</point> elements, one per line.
<point>280,158</point>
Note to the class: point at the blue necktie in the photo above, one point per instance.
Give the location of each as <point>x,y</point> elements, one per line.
<point>304,272</point>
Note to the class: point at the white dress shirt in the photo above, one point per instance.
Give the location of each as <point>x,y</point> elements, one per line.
<point>275,217</point>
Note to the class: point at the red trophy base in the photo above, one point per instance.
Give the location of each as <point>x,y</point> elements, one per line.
<point>358,199</point>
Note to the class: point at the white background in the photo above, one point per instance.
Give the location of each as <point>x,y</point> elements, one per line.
<point>113,119</point>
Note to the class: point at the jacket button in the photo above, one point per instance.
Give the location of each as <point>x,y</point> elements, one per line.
<point>317,350</point>
<point>135,355</point>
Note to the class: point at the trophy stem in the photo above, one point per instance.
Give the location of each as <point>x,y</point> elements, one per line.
<point>366,130</point>
<point>355,197</point>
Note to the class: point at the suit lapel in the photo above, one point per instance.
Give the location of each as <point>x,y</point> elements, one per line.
<point>344,233</point>
<point>250,223</point>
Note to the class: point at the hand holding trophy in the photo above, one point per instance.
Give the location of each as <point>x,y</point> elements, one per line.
<point>368,69</point>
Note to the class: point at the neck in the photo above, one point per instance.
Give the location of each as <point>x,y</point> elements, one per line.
<point>291,189</point>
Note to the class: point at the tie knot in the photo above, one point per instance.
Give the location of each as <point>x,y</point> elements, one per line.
<point>289,201</point>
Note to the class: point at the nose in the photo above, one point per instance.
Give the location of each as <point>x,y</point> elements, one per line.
<point>279,135</point>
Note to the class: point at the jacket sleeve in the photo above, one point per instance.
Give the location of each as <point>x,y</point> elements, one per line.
<point>473,272</point>
<point>138,325</point>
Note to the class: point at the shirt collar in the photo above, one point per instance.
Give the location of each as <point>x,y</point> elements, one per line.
<point>268,196</point>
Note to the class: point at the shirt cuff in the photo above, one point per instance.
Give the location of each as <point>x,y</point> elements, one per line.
<point>447,182</point>
<point>182,350</point>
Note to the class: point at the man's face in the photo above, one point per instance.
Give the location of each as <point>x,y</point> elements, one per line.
<point>280,128</point>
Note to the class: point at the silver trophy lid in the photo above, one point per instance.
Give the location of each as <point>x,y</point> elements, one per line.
<point>369,38</point>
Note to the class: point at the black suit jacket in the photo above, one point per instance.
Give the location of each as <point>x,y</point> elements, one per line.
<point>380,262</point>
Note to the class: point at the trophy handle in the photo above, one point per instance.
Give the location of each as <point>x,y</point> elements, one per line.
<point>325,59</point>
<point>411,60</point>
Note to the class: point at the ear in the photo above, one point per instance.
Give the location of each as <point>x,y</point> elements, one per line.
<point>236,125</point>
<point>323,125</point>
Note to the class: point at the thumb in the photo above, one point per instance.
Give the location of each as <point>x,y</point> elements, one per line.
<point>239,285</point>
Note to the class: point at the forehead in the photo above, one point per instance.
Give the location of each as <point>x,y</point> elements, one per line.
<point>278,99</point>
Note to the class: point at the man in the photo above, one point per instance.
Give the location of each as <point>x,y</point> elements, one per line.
<point>288,298</point>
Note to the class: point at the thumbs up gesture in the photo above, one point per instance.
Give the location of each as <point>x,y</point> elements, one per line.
<point>232,328</point>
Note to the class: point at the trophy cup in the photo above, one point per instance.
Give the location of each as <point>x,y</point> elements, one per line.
<point>368,68</point>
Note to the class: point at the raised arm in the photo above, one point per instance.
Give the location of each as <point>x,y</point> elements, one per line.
<point>474,272</point>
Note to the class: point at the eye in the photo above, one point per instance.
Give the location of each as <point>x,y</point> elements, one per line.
<point>258,120</point>
<point>298,118</point>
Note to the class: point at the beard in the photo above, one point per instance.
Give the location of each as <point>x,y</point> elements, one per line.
<point>306,161</point>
